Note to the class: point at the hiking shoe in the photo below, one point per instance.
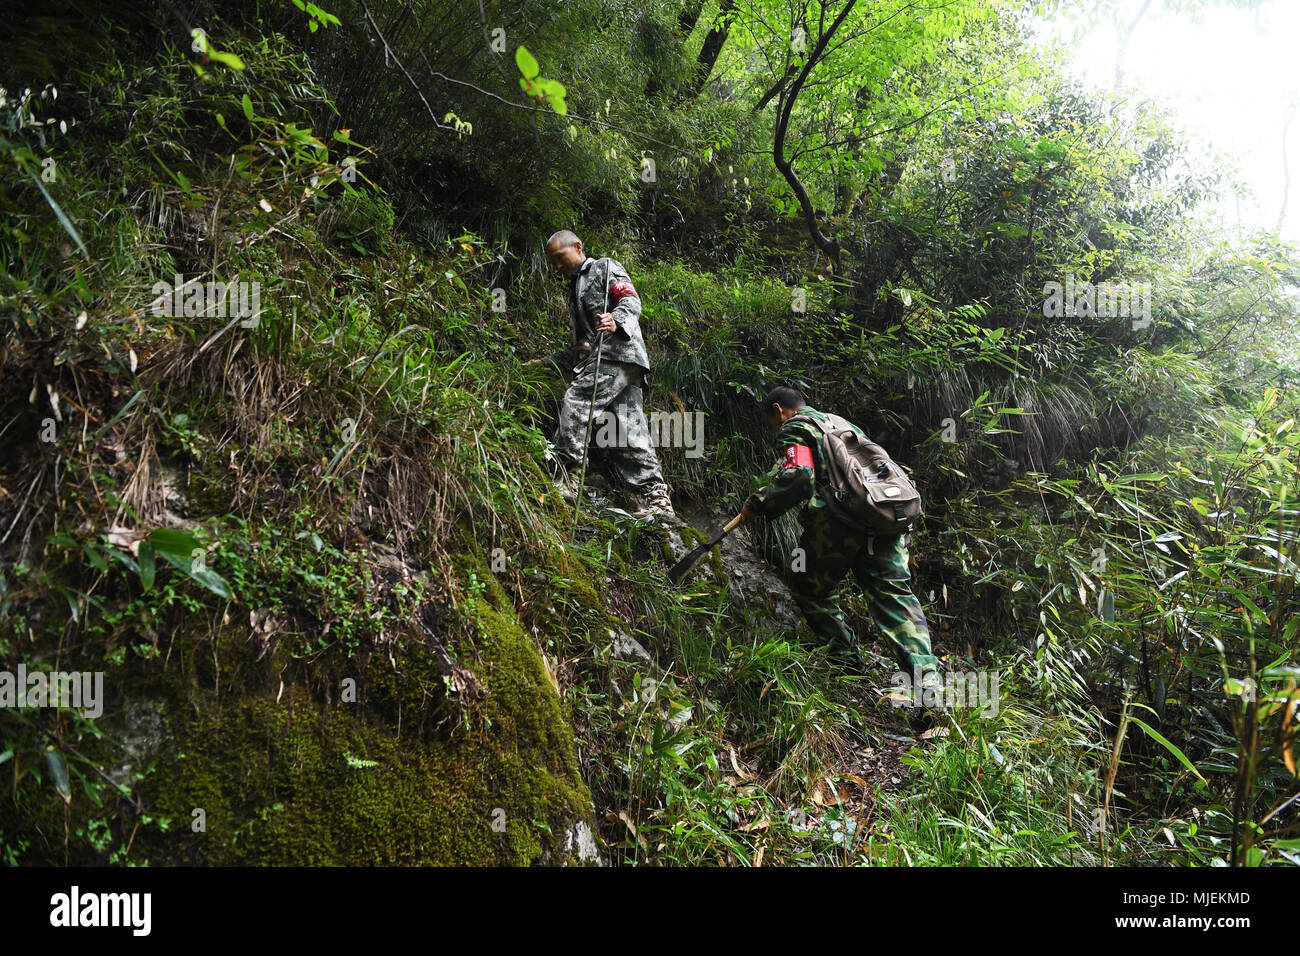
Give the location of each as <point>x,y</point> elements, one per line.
<point>931,692</point>
<point>657,504</point>
<point>567,486</point>
<point>908,696</point>
<point>899,697</point>
<point>922,718</point>
<point>924,698</point>
<point>848,659</point>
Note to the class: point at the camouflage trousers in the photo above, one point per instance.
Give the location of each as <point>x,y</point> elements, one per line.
<point>830,550</point>
<point>619,428</point>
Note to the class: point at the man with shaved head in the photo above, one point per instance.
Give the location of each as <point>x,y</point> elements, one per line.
<point>605,309</point>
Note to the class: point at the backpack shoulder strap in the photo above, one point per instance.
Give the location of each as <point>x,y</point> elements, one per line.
<point>831,423</point>
<point>821,425</point>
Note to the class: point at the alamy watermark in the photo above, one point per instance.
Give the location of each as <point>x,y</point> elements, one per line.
<point>127,910</point>
<point>974,689</point>
<point>81,690</point>
<point>1107,300</point>
<point>194,299</point>
<point>667,430</point>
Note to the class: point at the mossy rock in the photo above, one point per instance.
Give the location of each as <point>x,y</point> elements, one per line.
<point>298,774</point>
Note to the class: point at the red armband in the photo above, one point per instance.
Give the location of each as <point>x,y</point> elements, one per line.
<point>797,456</point>
<point>621,288</point>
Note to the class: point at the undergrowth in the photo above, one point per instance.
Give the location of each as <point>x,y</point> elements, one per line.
<point>253,523</point>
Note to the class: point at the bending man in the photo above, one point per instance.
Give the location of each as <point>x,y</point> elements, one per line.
<point>831,549</point>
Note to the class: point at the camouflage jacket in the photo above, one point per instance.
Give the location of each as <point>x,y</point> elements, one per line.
<point>794,477</point>
<point>587,299</point>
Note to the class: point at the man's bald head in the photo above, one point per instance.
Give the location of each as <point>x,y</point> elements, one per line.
<point>562,239</point>
<point>564,250</point>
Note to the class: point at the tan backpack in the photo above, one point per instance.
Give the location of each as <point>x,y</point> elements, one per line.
<point>863,486</point>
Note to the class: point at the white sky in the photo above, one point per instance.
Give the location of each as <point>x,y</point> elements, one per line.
<point>1226,79</point>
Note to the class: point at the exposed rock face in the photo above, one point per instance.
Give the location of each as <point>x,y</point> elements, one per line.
<point>411,752</point>
<point>757,583</point>
<point>628,648</point>
<point>580,844</point>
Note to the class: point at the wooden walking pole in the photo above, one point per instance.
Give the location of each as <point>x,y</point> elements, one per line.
<point>591,411</point>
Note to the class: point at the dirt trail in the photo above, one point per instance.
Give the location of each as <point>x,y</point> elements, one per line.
<point>876,764</point>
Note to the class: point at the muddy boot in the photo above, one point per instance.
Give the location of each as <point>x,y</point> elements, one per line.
<point>656,504</point>
<point>925,703</point>
<point>847,658</point>
<point>921,719</point>
<point>567,486</point>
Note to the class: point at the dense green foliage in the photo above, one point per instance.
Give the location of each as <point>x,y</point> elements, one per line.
<point>339,606</point>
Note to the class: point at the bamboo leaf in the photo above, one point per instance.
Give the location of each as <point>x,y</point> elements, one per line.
<point>64,221</point>
<point>59,771</point>
<point>1164,742</point>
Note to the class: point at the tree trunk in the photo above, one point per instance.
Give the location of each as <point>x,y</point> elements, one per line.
<point>689,16</point>
<point>1286,167</point>
<point>1124,39</point>
<point>785,107</point>
<point>713,43</point>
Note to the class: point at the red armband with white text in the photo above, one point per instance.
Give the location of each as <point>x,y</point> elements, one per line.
<point>797,456</point>
<point>620,289</point>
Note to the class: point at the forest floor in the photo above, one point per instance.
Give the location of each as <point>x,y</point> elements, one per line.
<point>873,762</point>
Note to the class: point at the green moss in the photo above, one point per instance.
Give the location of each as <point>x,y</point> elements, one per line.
<point>287,784</point>
<point>289,773</point>
<point>277,785</point>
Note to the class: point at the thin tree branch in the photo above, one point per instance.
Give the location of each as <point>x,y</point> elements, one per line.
<point>415,86</point>
<point>537,109</point>
<point>784,110</point>
<point>496,61</point>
